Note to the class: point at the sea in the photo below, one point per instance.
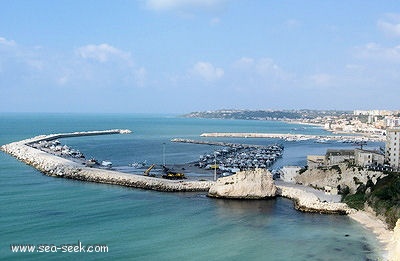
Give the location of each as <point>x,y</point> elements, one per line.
<point>64,219</point>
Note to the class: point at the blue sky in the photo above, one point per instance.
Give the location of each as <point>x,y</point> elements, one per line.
<point>177,56</point>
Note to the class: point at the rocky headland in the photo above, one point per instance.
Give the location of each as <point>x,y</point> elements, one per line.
<point>257,184</point>
<point>338,176</point>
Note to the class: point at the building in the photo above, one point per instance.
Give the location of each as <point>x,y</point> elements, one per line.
<point>392,150</point>
<point>334,157</point>
<point>364,158</point>
<point>315,161</point>
<point>288,173</point>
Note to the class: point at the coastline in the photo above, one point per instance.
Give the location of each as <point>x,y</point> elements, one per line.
<point>378,227</point>
<point>52,165</point>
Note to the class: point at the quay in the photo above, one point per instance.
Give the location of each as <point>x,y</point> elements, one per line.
<point>293,137</point>
<point>56,166</point>
<point>218,143</point>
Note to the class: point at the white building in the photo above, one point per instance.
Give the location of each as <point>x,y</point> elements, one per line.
<point>364,158</point>
<point>289,172</point>
<point>392,151</point>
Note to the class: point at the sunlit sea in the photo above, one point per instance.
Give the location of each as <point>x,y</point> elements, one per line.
<point>137,224</point>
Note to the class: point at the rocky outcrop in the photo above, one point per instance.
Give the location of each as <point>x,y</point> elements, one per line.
<point>257,184</point>
<point>394,247</point>
<point>338,175</point>
<point>309,202</point>
<point>53,165</point>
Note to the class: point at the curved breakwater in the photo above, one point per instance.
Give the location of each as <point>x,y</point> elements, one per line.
<point>52,165</point>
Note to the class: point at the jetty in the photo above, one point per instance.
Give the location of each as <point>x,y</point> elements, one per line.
<point>218,143</point>
<point>293,137</point>
<point>57,166</point>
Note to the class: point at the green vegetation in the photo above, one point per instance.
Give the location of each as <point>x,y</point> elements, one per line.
<point>266,114</point>
<point>355,200</point>
<point>385,198</point>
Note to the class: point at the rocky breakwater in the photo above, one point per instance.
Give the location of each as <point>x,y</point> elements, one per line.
<point>53,165</point>
<point>309,202</point>
<point>250,184</point>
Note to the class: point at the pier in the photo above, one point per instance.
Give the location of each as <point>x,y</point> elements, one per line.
<point>293,137</point>
<point>57,166</point>
<point>218,143</point>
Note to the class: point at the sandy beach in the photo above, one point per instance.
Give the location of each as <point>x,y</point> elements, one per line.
<point>378,227</point>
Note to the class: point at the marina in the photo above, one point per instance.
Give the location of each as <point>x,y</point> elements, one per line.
<point>236,157</point>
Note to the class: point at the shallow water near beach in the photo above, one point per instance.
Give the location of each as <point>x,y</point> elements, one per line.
<point>148,225</point>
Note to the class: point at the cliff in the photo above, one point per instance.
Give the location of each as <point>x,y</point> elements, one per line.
<point>257,184</point>
<point>338,176</point>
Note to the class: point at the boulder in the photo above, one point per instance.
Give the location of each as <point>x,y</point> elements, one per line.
<point>250,184</point>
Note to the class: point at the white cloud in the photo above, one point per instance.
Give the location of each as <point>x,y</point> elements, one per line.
<point>390,25</point>
<point>261,67</point>
<point>207,71</point>
<point>373,51</point>
<point>4,41</point>
<point>102,53</point>
<point>167,5</point>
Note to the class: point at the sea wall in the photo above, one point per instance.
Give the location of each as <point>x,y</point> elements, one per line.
<point>309,202</point>
<point>53,165</point>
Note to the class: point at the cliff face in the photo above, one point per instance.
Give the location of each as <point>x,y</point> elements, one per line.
<point>394,250</point>
<point>339,175</point>
<point>255,184</point>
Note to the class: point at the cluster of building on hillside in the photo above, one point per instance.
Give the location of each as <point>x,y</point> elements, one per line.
<point>373,122</point>
<point>387,159</point>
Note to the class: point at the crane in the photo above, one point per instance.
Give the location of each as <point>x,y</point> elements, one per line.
<point>147,171</point>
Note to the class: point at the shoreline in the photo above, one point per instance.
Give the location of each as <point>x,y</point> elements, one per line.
<point>304,199</point>
<point>370,222</point>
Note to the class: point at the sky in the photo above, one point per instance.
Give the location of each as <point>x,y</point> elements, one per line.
<point>180,56</point>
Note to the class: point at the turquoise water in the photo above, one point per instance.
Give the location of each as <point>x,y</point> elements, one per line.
<point>147,225</point>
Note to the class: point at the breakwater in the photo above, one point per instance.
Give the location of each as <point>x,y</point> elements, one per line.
<point>53,165</point>
<point>310,202</point>
<point>218,143</point>
<point>56,166</point>
<point>292,137</point>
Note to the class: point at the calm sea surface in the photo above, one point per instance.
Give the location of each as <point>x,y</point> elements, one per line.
<point>147,225</point>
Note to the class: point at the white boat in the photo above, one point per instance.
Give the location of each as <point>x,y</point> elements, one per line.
<point>107,164</point>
